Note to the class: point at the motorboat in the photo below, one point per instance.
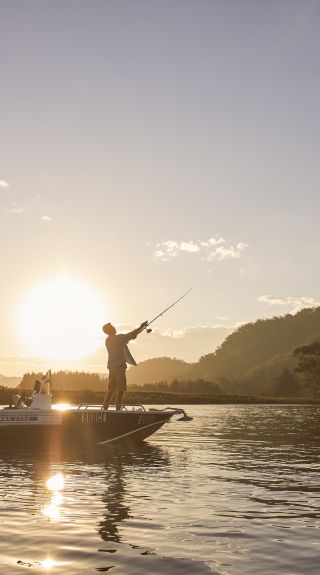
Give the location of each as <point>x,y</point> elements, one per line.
<point>34,421</point>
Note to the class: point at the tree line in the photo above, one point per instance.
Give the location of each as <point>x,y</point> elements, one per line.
<point>72,380</point>
<point>180,386</point>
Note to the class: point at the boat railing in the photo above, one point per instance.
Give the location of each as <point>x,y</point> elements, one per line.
<point>176,411</point>
<point>136,407</point>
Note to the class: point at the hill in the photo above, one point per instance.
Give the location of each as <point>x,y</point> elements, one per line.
<point>9,381</point>
<point>157,369</point>
<point>266,344</point>
<point>250,360</point>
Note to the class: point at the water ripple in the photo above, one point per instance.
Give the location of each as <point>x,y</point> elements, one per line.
<point>235,491</point>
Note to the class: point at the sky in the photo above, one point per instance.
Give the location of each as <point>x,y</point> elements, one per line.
<point>147,146</point>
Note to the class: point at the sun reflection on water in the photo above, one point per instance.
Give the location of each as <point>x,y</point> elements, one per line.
<point>49,563</point>
<point>54,484</point>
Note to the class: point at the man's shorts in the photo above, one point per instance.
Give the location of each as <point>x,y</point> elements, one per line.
<point>117,379</point>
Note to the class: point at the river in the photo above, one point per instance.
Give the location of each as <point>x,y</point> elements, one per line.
<point>233,492</point>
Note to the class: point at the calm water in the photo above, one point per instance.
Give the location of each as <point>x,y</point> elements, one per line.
<point>235,491</point>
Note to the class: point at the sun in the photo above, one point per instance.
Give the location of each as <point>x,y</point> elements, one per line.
<point>61,319</point>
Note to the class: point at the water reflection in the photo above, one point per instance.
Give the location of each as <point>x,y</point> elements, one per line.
<point>238,489</point>
<point>54,484</point>
<point>114,501</point>
<point>47,563</point>
<point>119,464</point>
<point>96,481</point>
<point>274,448</point>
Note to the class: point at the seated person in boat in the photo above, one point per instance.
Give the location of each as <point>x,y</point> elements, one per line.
<point>118,357</point>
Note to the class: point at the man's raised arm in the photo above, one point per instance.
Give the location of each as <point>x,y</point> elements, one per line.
<point>133,334</point>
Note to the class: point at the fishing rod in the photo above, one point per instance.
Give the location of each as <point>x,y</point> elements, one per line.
<point>165,310</point>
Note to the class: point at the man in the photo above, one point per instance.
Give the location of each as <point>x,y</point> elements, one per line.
<point>118,357</point>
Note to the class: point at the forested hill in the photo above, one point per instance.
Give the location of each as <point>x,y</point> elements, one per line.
<point>250,360</point>
<point>156,370</point>
<point>257,358</point>
<point>258,345</point>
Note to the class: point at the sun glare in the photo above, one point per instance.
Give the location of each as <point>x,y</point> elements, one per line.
<point>61,319</point>
<point>56,482</point>
<point>49,563</point>
<point>61,406</point>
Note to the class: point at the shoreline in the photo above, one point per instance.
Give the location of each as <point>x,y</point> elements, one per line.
<point>164,398</point>
<point>159,398</point>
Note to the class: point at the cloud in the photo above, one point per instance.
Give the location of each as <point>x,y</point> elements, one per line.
<point>222,252</point>
<point>210,250</point>
<point>17,209</point>
<point>190,247</point>
<point>4,184</point>
<point>296,303</point>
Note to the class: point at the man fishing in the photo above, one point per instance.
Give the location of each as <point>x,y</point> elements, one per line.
<point>118,357</point>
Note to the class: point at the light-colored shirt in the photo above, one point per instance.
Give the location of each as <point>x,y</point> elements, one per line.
<point>118,351</point>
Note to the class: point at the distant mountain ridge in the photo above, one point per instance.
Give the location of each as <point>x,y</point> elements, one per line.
<point>249,360</point>
<point>9,381</point>
<point>157,369</point>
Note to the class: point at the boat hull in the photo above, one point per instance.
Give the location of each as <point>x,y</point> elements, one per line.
<point>85,427</point>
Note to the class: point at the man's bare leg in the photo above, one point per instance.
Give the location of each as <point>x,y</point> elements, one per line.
<point>119,400</point>
<point>107,399</point>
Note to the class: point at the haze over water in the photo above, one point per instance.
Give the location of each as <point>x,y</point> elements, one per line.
<point>233,492</point>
